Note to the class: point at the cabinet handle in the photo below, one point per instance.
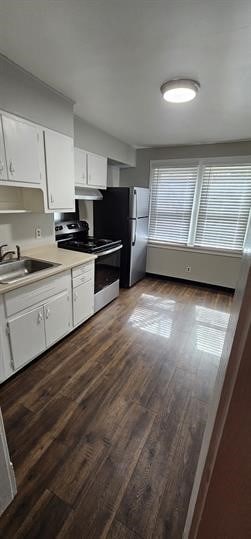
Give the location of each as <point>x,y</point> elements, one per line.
<point>52,199</point>
<point>75,296</point>
<point>1,166</point>
<point>47,313</point>
<point>40,317</point>
<point>12,168</point>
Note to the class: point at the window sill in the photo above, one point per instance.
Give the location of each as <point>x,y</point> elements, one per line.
<point>173,247</point>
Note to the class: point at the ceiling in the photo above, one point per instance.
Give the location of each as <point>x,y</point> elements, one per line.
<point>110,57</point>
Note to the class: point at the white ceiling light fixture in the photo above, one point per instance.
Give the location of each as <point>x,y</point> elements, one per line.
<point>179,90</point>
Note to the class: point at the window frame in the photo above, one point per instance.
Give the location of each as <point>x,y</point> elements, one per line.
<point>201,163</point>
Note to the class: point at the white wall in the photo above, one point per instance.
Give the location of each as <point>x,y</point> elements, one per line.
<point>113,176</point>
<point>26,96</point>
<point>20,229</point>
<point>207,268</point>
<point>140,174</point>
<point>92,139</point>
<point>86,213</point>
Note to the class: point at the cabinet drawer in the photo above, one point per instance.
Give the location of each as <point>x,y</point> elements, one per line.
<point>85,269</point>
<point>26,296</point>
<point>81,279</point>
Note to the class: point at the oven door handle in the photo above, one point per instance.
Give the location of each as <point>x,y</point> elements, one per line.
<point>109,251</point>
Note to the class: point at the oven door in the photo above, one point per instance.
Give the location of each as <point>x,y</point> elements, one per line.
<point>107,268</point>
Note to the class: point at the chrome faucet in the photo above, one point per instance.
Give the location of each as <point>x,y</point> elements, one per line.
<point>7,253</point>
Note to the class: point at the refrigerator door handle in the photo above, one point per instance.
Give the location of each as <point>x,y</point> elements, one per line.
<point>135,232</point>
<point>135,205</point>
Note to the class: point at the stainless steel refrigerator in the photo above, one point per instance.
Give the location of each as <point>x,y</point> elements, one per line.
<point>123,214</point>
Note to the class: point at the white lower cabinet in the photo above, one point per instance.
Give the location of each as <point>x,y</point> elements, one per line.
<point>27,336</point>
<point>83,292</point>
<point>57,315</point>
<point>38,315</point>
<point>83,302</point>
<point>8,484</point>
<point>35,316</point>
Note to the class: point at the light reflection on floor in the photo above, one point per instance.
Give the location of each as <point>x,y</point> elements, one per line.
<point>152,316</point>
<point>211,316</point>
<point>212,329</point>
<point>207,327</point>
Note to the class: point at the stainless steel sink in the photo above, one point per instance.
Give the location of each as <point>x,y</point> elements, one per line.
<point>14,270</point>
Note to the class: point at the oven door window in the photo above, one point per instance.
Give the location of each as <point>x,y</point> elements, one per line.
<point>107,268</point>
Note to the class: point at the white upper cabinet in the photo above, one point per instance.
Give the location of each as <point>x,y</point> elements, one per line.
<point>59,170</point>
<point>3,167</point>
<point>90,169</point>
<point>80,165</point>
<point>22,147</point>
<point>96,171</point>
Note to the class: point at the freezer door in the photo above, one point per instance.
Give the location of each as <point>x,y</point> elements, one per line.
<point>139,202</point>
<point>139,235</point>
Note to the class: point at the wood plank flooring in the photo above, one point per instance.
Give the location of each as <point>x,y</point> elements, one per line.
<point>105,429</point>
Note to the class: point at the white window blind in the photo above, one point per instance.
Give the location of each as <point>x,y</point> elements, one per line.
<point>204,204</point>
<point>224,206</point>
<point>172,195</point>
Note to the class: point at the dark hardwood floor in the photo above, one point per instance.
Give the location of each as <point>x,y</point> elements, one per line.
<point>105,429</point>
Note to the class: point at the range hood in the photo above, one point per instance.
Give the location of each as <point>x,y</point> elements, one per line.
<point>85,193</point>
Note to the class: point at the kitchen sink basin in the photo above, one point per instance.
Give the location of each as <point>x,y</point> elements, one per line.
<point>13,270</point>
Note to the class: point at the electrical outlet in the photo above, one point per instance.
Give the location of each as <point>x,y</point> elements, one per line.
<point>188,268</point>
<point>38,233</point>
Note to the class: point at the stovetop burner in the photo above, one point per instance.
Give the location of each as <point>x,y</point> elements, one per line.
<point>74,236</point>
<point>92,246</point>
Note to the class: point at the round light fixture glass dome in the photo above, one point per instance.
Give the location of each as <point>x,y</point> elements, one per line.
<point>179,90</point>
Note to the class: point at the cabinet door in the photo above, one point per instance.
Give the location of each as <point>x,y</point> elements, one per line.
<point>3,167</point>
<point>27,337</point>
<point>97,171</point>
<point>83,302</point>
<point>58,317</point>
<point>22,150</point>
<point>8,483</point>
<point>80,167</point>
<point>59,171</point>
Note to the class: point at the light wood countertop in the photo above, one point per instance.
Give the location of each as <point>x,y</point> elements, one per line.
<point>49,253</point>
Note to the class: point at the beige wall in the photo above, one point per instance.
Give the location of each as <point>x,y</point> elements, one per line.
<point>206,268</point>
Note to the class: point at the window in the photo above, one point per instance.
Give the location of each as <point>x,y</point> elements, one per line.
<point>204,204</point>
<point>172,194</point>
